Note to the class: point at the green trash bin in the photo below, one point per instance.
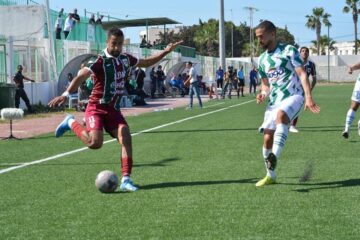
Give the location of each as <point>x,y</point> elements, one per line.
<point>7,96</point>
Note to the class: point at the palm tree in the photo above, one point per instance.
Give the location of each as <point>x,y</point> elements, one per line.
<point>314,23</point>
<point>352,5</point>
<point>324,43</point>
<point>206,37</point>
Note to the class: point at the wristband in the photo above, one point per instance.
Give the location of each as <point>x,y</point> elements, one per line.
<point>65,94</point>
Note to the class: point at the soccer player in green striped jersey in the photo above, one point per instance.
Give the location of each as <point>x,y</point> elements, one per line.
<point>286,83</point>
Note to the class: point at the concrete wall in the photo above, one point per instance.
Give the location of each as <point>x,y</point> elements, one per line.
<point>22,21</point>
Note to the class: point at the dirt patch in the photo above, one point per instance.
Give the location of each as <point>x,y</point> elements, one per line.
<point>32,125</point>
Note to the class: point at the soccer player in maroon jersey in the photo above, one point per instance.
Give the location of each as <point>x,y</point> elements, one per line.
<point>109,71</point>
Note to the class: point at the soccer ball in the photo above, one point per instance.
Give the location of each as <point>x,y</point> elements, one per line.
<point>106,181</point>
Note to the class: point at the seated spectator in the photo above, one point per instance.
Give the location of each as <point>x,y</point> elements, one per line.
<point>92,19</point>
<point>99,20</point>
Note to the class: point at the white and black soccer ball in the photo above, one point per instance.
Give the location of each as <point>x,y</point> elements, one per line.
<point>106,181</point>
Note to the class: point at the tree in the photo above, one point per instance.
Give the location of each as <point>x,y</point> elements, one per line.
<point>324,43</point>
<point>314,23</point>
<point>352,5</point>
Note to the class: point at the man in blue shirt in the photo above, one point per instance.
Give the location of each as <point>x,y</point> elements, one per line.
<point>241,82</point>
<point>253,80</point>
<point>220,77</point>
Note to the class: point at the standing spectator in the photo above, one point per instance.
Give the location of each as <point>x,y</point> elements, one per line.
<point>153,78</point>
<point>76,16</point>
<point>140,76</point>
<point>99,20</point>
<point>253,80</point>
<point>220,77</point>
<point>59,24</point>
<point>69,23</point>
<point>194,85</point>
<point>92,19</point>
<point>228,83</point>
<point>102,111</point>
<point>20,92</point>
<point>241,83</point>
<point>160,80</point>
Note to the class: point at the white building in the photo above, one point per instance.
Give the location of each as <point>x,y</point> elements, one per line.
<point>341,48</point>
<point>154,32</point>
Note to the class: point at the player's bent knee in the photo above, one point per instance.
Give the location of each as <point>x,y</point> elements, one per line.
<point>95,144</point>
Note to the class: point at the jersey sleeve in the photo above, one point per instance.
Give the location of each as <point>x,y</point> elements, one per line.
<point>97,66</point>
<point>261,68</point>
<point>133,61</point>
<point>295,58</point>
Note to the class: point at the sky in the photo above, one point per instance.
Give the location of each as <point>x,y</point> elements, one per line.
<point>282,13</point>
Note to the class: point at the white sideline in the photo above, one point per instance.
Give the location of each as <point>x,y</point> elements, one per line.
<point>134,134</point>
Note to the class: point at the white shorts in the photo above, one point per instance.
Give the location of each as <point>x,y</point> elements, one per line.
<point>356,92</point>
<point>291,106</point>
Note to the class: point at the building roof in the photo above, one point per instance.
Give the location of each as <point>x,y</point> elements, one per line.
<point>143,22</point>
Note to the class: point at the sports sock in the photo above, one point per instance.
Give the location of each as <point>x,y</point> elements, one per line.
<point>349,119</point>
<point>126,166</point>
<point>77,128</point>
<point>280,135</point>
<point>269,172</point>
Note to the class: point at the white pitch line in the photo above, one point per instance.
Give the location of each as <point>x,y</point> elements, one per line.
<point>134,134</point>
<point>214,105</point>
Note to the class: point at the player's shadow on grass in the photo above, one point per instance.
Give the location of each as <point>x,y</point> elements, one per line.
<point>195,183</point>
<point>160,163</point>
<point>322,129</point>
<point>327,185</point>
<point>203,130</point>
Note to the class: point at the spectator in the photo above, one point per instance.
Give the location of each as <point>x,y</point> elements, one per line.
<point>253,80</point>
<point>92,19</point>
<point>76,16</point>
<point>140,76</point>
<point>143,42</point>
<point>99,20</point>
<point>153,78</point>
<point>59,24</point>
<point>228,82</point>
<point>241,83</point>
<point>69,23</point>
<point>220,77</point>
<point>20,92</point>
<point>160,80</point>
<point>194,85</point>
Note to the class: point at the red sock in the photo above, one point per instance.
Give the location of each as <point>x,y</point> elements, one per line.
<point>126,166</point>
<point>294,122</point>
<point>77,129</point>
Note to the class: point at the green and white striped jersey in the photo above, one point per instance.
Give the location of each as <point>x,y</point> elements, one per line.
<point>279,68</point>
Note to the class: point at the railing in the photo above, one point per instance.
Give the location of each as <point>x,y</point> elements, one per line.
<point>17,2</point>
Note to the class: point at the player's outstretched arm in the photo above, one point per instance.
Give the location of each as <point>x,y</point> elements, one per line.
<point>309,103</point>
<point>74,85</point>
<point>354,67</point>
<point>147,62</point>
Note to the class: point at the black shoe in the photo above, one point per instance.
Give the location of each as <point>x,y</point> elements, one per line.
<point>271,162</point>
<point>345,134</point>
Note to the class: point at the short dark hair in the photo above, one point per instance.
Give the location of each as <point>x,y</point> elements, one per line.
<point>190,63</point>
<point>267,25</point>
<point>114,31</point>
<point>307,49</point>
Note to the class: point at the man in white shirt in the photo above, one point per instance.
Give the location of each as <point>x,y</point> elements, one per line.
<point>194,85</point>
<point>69,23</point>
